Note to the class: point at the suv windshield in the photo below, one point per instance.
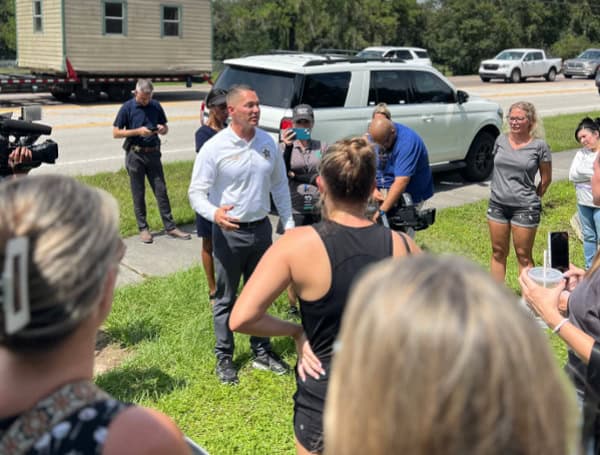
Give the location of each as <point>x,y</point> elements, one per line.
<point>509,56</point>
<point>422,54</point>
<point>590,55</point>
<point>272,87</point>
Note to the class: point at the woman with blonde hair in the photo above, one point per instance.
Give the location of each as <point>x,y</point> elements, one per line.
<point>321,262</point>
<point>59,255</point>
<point>515,204</point>
<point>435,358</point>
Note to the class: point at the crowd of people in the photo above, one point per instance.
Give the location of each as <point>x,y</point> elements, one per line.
<point>398,351</point>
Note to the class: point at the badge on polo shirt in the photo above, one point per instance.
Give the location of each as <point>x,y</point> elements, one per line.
<point>266,153</point>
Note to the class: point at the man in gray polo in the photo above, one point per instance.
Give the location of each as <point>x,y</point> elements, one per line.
<point>233,175</point>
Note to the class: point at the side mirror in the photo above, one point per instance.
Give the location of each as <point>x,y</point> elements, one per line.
<point>462,96</point>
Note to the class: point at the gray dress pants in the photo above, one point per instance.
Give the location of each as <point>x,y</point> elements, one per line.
<point>142,164</point>
<point>236,254</point>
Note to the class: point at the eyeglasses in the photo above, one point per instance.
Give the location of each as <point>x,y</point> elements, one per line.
<point>516,119</point>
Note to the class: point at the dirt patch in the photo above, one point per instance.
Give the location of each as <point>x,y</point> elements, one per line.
<point>108,354</point>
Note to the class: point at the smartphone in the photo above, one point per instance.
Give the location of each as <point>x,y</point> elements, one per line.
<point>153,128</point>
<point>558,246</point>
<point>302,134</point>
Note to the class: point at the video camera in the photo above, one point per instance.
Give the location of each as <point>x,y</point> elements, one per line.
<point>23,133</point>
<point>405,215</point>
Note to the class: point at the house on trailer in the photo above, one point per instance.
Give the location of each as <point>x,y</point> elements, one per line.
<point>96,41</point>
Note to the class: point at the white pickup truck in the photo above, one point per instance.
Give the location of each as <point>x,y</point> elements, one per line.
<point>516,65</point>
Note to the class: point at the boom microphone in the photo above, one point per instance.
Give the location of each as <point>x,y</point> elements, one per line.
<point>23,128</point>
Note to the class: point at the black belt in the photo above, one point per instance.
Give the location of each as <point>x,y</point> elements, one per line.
<point>139,148</point>
<point>250,224</point>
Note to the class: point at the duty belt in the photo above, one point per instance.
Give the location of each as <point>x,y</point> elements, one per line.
<point>140,149</point>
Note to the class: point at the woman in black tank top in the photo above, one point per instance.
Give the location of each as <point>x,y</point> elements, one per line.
<point>321,262</point>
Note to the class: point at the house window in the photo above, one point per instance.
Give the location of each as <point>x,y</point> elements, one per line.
<point>37,16</point>
<point>114,18</point>
<point>171,21</point>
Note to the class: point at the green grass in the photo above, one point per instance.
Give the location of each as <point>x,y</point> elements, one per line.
<point>560,130</point>
<point>177,176</point>
<point>167,324</point>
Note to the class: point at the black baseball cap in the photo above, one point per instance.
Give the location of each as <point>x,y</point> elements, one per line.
<point>303,112</point>
<point>216,97</point>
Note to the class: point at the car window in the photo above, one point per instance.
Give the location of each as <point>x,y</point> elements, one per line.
<point>528,57</point>
<point>326,90</point>
<point>422,54</point>
<point>538,56</point>
<point>509,55</point>
<point>428,88</point>
<point>404,54</point>
<point>391,87</point>
<point>273,88</point>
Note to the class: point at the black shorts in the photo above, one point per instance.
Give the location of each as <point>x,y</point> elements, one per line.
<point>527,217</point>
<point>309,402</point>
<point>203,227</point>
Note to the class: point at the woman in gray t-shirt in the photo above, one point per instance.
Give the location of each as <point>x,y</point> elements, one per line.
<point>515,200</point>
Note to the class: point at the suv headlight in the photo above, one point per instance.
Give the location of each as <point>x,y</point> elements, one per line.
<point>503,65</point>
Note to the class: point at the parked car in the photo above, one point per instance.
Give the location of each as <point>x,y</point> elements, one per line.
<point>459,130</point>
<point>414,55</point>
<point>585,64</point>
<point>598,81</point>
<point>516,65</point>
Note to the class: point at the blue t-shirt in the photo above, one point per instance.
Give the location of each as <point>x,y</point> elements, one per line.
<point>133,115</point>
<point>203,134</point>
<point>408,158</point>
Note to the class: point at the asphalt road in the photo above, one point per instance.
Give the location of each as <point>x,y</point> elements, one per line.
<point>84,132</point>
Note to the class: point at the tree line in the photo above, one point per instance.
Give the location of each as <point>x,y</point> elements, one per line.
<point>457,33</point>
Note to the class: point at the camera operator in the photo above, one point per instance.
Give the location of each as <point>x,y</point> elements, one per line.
<point>402,166</point>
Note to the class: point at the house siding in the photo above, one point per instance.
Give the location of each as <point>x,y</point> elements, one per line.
<point>141,50</point>
<point>39,51</point>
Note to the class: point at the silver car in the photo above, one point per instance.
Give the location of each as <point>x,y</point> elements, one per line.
<point>586,64</point>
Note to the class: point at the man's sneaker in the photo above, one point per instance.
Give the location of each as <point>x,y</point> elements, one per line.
<point>226,371</point>
<point>270,361</point>
<point>146,236</point>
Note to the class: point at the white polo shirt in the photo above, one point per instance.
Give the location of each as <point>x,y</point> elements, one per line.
<point>231,171</point>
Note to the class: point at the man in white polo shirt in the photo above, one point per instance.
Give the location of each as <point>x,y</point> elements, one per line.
<point>233,175</point>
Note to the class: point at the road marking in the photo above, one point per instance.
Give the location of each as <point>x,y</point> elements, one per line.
<point>539,92</point>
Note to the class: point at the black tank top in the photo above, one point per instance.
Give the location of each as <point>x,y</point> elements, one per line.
<point>350,250</point>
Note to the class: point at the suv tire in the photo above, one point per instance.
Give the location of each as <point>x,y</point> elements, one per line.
<point>515,76</point>
<point>480,159</point>
<point>485,79</point>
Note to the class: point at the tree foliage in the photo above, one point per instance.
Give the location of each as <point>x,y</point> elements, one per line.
<point>8,35</point>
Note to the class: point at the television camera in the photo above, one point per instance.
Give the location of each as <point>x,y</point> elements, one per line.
<point>23,133</point>
<point>405,215</point>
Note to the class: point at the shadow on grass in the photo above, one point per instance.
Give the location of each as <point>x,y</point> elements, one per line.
<point>133,332</point>
<point>135,384</point>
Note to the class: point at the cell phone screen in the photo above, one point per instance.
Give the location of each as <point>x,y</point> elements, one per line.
<point>558,244</point>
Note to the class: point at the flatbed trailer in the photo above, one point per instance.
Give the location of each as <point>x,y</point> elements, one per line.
<point>87,88</point>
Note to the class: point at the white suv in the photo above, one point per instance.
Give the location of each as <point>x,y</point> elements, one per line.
<point>459,130</point>
<point>414,55</point>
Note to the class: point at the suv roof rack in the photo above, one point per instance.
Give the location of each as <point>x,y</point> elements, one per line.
<point>347,52</point>
<point>330,61</point>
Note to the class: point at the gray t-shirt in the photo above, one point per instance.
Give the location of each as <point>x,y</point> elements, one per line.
<point>513,179</point>
<point>584,313</point>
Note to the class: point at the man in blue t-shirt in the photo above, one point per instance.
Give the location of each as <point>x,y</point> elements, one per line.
<point>139,121</point>
<point>402,164</point>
